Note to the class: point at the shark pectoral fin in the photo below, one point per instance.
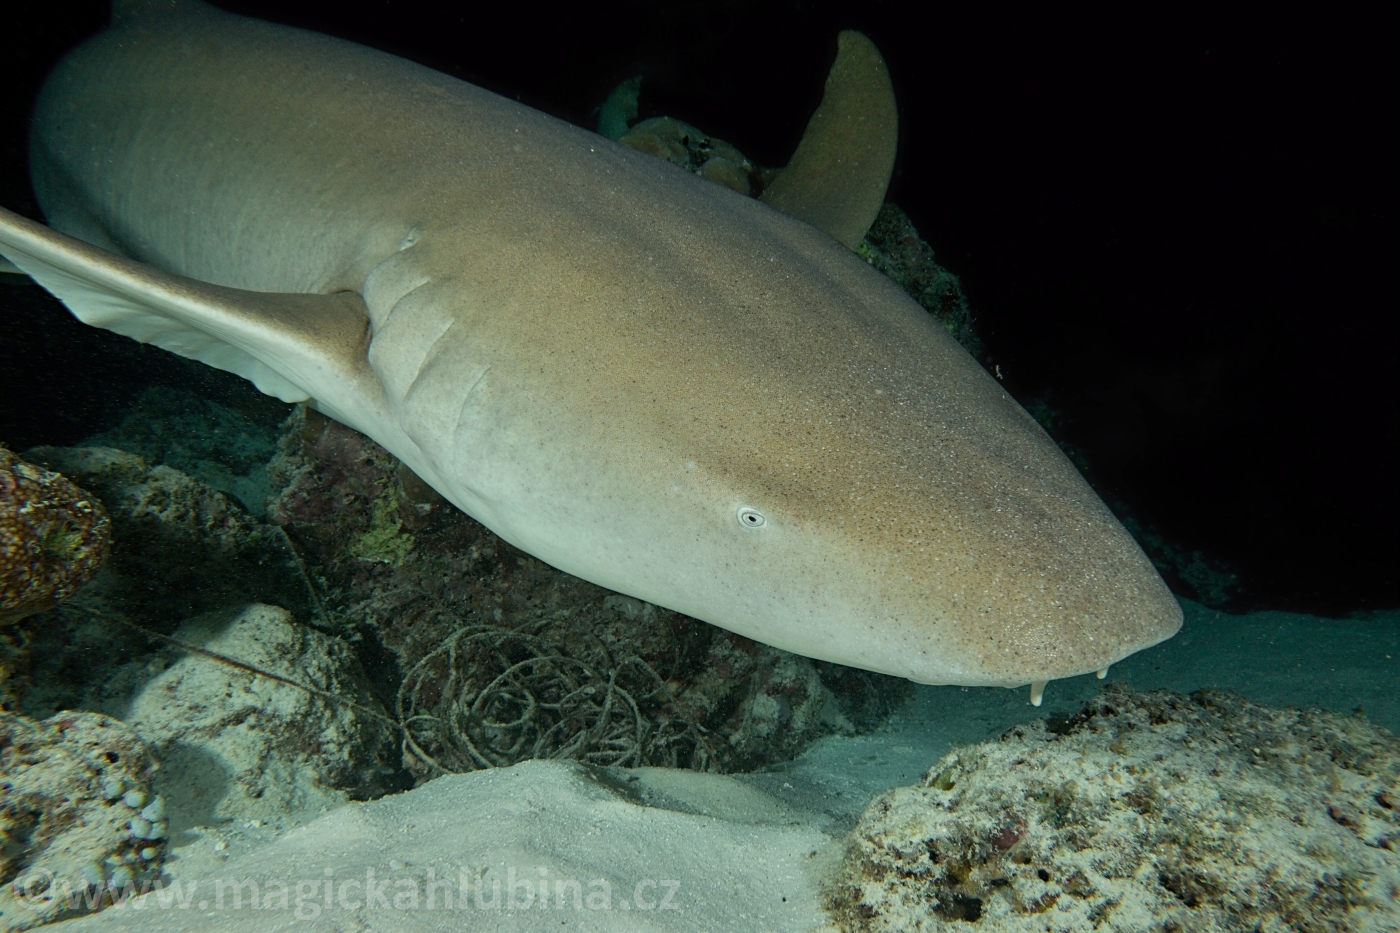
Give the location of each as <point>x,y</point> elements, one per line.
<point>837,178</point>
<point>288,345</point>
<point>9,268</point>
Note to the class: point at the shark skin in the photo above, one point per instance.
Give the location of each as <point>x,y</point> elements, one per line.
<point>640,377</point>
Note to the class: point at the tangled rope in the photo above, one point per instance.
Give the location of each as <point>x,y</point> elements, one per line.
<point>489,697</point>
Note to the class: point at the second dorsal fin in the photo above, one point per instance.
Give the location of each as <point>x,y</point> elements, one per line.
<point>837,178</point>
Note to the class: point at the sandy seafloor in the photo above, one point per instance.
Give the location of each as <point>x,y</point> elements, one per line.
<point>681,851</point>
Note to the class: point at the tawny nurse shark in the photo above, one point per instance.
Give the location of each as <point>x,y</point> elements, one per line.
<point>643,378</point>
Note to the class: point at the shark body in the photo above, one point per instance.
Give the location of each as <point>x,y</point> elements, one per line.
<point>640,377</point>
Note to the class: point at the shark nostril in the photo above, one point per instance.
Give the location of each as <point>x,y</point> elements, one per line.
<point>751,518</point>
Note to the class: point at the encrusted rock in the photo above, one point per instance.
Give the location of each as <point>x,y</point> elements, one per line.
<point>183,548</point>
<point>159,494</point>
<point>707,156</point>
<point>1148,811</point>
<point>68,843</point>
<point>53,538</point>
<point>894,246</point>
<point>236,744</point>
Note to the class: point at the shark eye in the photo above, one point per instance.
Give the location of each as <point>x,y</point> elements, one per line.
<point>751,518</point>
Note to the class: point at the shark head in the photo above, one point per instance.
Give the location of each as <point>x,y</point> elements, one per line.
<point>772,438</point>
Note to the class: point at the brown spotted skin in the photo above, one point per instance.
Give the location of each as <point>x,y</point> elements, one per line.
<point>600,356</point>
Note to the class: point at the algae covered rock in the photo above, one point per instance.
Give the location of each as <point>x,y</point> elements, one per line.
<point>1144,812</point>
<point>79,827</point>
<point>183,547</point>
<point>894,246</point>
<point>53,538</point>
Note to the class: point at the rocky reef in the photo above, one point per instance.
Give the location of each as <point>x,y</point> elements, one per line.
<point>53,538</point>
<point>894,246</point>
<point>179,549</point>
<point>79,825</point>
<point>1143,812</point>
<point>363,637</point>
<point>238,744</point>
<point>693,150</point>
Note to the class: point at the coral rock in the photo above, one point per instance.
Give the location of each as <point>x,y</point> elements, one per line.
<point>67,843</point>
<point>238,745</point>
<point>53,538</point>
<point>184,548</point>
<point>1148,811</point>
<point>707,156</point>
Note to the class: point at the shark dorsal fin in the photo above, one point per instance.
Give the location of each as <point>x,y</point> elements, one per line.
<point>837,178</point>
<point>283,343</point>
